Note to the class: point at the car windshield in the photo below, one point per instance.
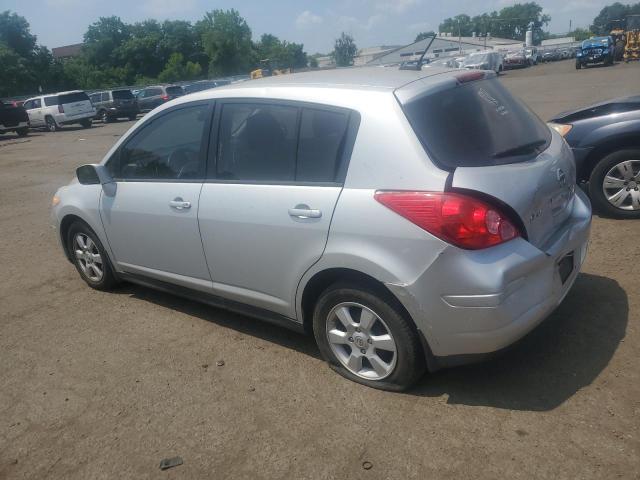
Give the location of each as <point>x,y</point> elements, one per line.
<point>477,58</point>
<point>122,95</point>
<point>595,42</point>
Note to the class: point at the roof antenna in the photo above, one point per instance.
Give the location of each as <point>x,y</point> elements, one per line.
<point>418,65</point>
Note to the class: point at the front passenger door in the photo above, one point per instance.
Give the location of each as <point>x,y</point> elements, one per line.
<point>151,219</point>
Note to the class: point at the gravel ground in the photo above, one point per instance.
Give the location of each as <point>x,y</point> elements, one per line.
<point>105,385</point>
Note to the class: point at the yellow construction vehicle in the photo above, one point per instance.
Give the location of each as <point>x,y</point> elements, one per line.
<point>632,39</point>
<point>265,70</point>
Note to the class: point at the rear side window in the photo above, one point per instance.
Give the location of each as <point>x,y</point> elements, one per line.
<point>105,96</point>
<point>50,101</point>
<point>167,148</point>
<point>94,97</point>
<point>122,95</point>
<point>174,91</point>
<point>257,142</point>
<point>476,124</point>
<point>322,135</point>
<point>73,97</point>
<point>152,92</point>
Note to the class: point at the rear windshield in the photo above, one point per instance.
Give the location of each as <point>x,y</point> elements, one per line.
<point>122,94</point>
<point>73,97</point>
<point>476,124</point>
<point>174,91</point>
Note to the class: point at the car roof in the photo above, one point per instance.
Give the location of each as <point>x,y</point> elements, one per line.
<point>361,78</point>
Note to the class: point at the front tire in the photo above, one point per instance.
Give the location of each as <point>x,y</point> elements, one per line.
<point>86,123</point>
<point>578,65</point>
<point>104,116</point>
<point>90,258</point>
<point>22,132</point>
<point>363,333</point>
<point>614,184</point>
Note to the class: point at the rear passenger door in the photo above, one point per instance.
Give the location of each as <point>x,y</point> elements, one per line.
<point>275,174</point>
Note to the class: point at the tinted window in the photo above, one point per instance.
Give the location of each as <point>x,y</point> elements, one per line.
<point>166,148</point>
<point>50,101</point>
<point>94,97</point>
<point>174,91</point>
<point>150,92</point>
<point>105,96</point>
<point>73,97</point>
<point>322,135</point>
<point>475,124</point>
<point>257,142</point>
<point>122,94</point>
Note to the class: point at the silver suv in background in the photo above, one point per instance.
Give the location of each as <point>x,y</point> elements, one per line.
<point>58,109</point>
<point>114,104</point>
<point>410,220</point>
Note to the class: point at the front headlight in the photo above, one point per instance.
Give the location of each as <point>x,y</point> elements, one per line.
<point>561,128</point>
<point>55,200</point>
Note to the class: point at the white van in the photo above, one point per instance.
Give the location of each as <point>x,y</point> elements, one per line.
<point>63,108</point>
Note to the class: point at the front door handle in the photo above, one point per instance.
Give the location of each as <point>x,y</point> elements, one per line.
<point>303,211</point>
<point>179,204</point>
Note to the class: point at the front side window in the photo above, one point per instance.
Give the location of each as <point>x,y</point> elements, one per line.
<point>94,97</point>
<point>168,147</point>
<point>37,103</point>
<point>258,142</point>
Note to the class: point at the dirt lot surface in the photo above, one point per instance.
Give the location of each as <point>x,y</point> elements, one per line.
<point>105,385</point>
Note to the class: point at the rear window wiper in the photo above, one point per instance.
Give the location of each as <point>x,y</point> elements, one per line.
<point>520,149</point>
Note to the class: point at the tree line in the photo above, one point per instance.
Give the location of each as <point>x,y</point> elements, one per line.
<point>513,21</point>
<point>119,53</point>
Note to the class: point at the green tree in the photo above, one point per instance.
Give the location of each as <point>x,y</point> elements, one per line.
<point>281,54</point>
<point>14,74</point>
<point>510,22</point>
<point>226,38</point>
<point>15,34</point>
<point>313,62</point>
<point>612,16</point>
<point>103,39</point>
<point>344,50</point>
<point>176,69</point>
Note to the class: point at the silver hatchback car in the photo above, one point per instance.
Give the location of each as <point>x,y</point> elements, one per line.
<point>410,220</point>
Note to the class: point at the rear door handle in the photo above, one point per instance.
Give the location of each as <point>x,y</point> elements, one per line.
<point>303,211</point>
<point>179,204</point>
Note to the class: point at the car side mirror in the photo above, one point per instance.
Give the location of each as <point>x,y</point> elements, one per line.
<point>92,174</point>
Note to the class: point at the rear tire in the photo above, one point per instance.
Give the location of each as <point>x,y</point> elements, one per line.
<point>90,257</point>
<point>363,352</point>
<point>51,124</point>
<point>578,65</point>
<point>86,123</point>
<point>615,187</point>
<point>133,117</point>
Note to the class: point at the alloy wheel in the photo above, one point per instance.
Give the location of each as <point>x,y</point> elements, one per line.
<point>88,257</point>
<point>361,341</point>
<point>621,185</point>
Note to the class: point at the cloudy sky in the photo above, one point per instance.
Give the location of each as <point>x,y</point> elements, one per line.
<point>314,23</point>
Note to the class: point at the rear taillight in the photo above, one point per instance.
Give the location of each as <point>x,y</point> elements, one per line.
<point>165,97</point>
<point>60,109</point>
<point>462,220</point>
